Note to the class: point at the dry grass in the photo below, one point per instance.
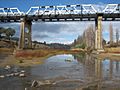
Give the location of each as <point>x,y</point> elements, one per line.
<point>6,50</point>
<point>40,53</point>
<point>31,57</point>
<point>112,50</point>
<point>111,53</point>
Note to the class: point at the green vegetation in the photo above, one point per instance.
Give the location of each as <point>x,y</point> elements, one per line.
<point>80,46</point>
<point>6,33</point>
<point>86,40</point>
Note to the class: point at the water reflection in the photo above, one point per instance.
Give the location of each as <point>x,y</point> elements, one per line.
<point>104,71</point>
<point>70,72</point>
<point>94,72</point>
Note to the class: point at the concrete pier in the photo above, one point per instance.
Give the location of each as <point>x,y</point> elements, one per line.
<point>25,34</point>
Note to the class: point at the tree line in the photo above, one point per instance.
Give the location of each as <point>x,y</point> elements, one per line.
<point>114,37</point>
<point>87,39</point>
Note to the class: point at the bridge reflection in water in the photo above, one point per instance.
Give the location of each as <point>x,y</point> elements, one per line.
<point>103,74</point>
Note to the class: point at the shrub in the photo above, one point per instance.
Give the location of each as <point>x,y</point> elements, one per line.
<point>80,46</point>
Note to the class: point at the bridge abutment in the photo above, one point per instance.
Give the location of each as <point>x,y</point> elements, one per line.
<point>25,41</point>
<point>98,33</point>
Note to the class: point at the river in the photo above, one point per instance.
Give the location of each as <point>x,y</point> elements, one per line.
<point>66,72</point>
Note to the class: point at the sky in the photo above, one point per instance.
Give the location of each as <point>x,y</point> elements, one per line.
<point>60,32</point>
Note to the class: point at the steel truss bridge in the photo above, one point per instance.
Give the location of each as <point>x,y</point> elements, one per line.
<point>63,12</point>
<point>79,12</point>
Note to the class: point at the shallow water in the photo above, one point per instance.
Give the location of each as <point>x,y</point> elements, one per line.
<point>68,72</point>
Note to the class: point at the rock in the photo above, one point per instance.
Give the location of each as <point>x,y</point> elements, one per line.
<point>8,75</point>
<point>40,83</point>
<point>22,75</point>
<point>12,74</point>
<point>34,83</point>
<point>47,82</point>
<point>22,71</point>
<point>2,76</point>
<point>16,74</point>
<point>68,60</point>
<point>7,67</point>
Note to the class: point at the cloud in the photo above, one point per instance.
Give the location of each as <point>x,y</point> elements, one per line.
<point>62,32</point>
<point>46,27</point>
<point>41,36</point>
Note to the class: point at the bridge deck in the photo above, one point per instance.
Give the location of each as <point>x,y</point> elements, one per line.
<point>62,17</point>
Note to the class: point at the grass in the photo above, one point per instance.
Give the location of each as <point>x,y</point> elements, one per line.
<point>112,50</point>
<point>40,53</point>
<point>32,57</point>
<point>111,53</point>
<point>6,50</point>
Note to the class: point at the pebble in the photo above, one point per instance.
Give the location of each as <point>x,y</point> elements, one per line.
<point>7,67</point>
<point>22,71</point>
<point>22,75</point>
<point>12,74</point>
<point>2,76</point>
<point>39,83</point>
<point>8,75</point>
<point>16,74</point>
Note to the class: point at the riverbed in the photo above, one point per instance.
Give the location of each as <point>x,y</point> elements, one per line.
<point>65,72</point>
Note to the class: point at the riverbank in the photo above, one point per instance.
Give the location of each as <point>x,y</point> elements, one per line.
<point>36,57</point>
<point>111,56</point>
<point>30,57</point>
<point>112,53</point>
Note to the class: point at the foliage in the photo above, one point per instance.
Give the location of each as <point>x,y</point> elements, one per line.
<point>80,46</point>
<point>87,39</point>
<point>8,32</point>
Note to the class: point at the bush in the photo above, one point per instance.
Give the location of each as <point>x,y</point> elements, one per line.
<point>80,46</point>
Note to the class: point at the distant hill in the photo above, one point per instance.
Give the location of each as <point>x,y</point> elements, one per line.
<point>5,43</point>
<point>58,46</point>
<point>37,44</point>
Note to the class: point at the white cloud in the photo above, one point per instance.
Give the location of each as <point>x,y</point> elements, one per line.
<point>63,32</point>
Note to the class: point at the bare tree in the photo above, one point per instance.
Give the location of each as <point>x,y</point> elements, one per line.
<point>117,37</point>
<point>111,34</point>
<point>87,39</point>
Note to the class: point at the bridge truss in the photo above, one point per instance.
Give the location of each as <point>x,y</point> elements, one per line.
<point>61,10</point>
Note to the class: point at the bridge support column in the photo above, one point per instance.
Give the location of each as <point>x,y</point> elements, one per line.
<point>98,33</point>
<point>98,73</point>
<point>111,69</point>
<point>98,69</point>
<point>25,41</point>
